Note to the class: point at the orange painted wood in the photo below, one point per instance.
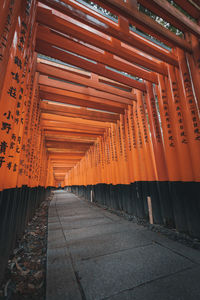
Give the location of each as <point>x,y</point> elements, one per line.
<point>171,14</point>
<point>45,81</point>
<point>71,120</point>
<point>49,18</point>
<point>66,151</point>
<point>57,96</point>
<point>180,129</point>
<point>80,96</point>
<point>68,155</point>
<point>123,139</point>
<point>46,48</point>
<point>139,144</point>
<point>70,133</point>
<point>106,26</point>
<point>85,50</point>
<point>156,136</point>
<point>67,139</point>
<point>57,71</point>
<point>189,7</point>
<point>190,111</point>
<point>194,65</point>
<point>149,158</point>
<point>76,130</point>
<point>83,74</point>
<point>84,113</point>
<point>145,23</point>
<point>75,127</point>
<point>170,143</point>
<point>7,32</point>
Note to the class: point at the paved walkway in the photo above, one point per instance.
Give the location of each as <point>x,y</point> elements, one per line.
<point>94,254</point>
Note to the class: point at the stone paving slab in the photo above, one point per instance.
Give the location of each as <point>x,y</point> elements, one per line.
<point>96,255</point>
<point>179,248</point>
<point>96,230</point>
<point>106,275</point>
<point>180,286</point>
<point>61,280</point>
<point>74,218</point>
<point>76,224</point>
<point>85,249</point>
<point>75,212</point>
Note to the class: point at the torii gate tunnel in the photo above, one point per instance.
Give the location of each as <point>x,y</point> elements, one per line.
<point>103,100</point>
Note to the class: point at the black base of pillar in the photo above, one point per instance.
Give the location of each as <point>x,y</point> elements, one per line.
<point>174,204</point>
<point>17,207</point>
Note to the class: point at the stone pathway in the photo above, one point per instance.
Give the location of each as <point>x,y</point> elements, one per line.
<point>95,255</point>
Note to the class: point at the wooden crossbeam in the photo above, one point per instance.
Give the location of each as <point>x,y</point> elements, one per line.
<point>75,95</point>
<point>145,23</point>
<point>70,133</point>
<point>79,131</point>
<point>190,7</point>
<point>59,96</point>
<point>63,165</point>
<point>69,126</point>
<point>65,151</point>
<point>45,81</point>
<point>62,139</point>
<point>68,145</point>
<point>171,14</point>
<point>63,162</point>
<point>71,120</point>
<point>68,155</point>
<point>97,68</point>
<point>49,18</point>
<point>59,71</point>
<point>59,176</point>
<point>77,112</point>
<point>105,58</point>
<point>121,32</point>
<point>57,139</point>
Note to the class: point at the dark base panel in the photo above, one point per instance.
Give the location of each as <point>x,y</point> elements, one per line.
<point>174,204</point>
<point>17,207</point>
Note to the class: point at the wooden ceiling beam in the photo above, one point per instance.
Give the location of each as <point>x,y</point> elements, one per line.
<point>190,7</point>
<point>70,133</point>
<point>84,113</point>
<point>71,155</point>
<point>86,117</point>
<point>49,18</point>
<point>97,68</point>
<point>78,96</point>
<point>62,166</point>
<point>74,127</point>
<point>63,139</point>
<point>62,162</point>
<point>46,81</point>
<point>171,14</point>
<point>69,146</point>
<point>77,102</point>
<point>145,23</point>
<point>121,31</point>
<point>55,139</point>
<point>65,151</point>
<point>79,131</point>
<point>78,121</point>
<point>60,71</point>
<point>106,58</point>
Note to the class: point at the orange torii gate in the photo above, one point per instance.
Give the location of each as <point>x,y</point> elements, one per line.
<point>100,97</point>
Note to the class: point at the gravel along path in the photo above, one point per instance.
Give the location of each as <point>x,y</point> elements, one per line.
<point>25,276</point>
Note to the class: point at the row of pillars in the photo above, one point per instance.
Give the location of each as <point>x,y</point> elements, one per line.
<point>23,157</point>
<point>172,204</point>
